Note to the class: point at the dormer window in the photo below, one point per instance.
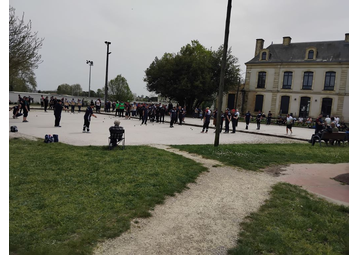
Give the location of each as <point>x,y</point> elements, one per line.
<point>264,55</point>
<point>311,54</point>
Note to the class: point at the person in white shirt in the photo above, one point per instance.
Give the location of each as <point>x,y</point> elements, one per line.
<point>327,120</point>
<point>289,122</point>
<point>337,121</point>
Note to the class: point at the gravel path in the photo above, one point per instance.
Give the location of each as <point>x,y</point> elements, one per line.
<point>203,219</point>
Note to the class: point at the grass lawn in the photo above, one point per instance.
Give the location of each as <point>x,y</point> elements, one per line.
<point>258,156</point>
<point>63,199</point>
<point>292,221</point>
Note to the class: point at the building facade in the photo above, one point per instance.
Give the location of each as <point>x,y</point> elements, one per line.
<point>305,79</point>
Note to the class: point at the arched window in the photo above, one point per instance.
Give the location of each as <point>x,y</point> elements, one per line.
<point>310,54</point>
<point>263,56</point>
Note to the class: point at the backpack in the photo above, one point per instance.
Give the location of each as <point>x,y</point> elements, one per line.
<point>13,129</point>
<point>48,139</point>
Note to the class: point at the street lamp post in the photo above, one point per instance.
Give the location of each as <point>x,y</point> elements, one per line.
<point>90,63</point>
<point>106,81</point>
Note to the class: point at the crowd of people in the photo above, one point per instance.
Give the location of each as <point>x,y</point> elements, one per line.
<point>157,112</point>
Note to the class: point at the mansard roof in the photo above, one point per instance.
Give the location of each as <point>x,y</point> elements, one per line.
<point>327,51</point>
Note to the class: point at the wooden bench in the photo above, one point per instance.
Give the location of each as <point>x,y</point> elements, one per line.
<point>333,137</point>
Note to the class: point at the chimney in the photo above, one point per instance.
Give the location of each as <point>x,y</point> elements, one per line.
<point>286,40</point>
<point>346,37</point>
<point>259,46</point>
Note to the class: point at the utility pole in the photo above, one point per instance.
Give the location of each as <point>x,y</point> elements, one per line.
<point>106,82</point>
<point>222,74</point>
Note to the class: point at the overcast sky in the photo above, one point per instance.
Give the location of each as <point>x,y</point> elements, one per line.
<point>140,30</point>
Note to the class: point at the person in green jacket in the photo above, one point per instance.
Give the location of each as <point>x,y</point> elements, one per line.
<point>117,109</point>
<point>121,109</point>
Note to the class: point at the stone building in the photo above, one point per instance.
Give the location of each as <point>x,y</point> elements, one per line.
<point>305,79</point>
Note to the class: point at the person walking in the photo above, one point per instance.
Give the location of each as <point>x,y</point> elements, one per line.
<point>258,120</point>
<point>87,118</point>
<point>57,110</point>
<point>247,119</point>
<point>289,123</point>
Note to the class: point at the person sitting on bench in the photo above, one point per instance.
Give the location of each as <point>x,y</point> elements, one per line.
<point>116,129</point>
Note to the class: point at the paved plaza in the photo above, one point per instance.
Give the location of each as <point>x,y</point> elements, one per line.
<point>42,123</point>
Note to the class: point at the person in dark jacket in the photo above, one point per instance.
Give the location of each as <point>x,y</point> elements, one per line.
<point>87,117</point>
<point>247,119</point>
<point>57,110</point>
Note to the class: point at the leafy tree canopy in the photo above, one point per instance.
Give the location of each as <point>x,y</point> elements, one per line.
<point>118,89</point>
<point>192,75</point>
<point>23,53</point>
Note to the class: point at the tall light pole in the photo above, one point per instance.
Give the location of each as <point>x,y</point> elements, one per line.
<point>90,63</point>
<point>223,65</point>
<point>106,81</point>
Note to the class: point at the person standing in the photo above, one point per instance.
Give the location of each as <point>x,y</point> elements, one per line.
<point>258,120</point>
<point>25,108</point>
<point>234,120</point>
<point>289,123</point>
<point>162,113</point>
<point>121,109</point>
<point>73,104</point>
<point>87,117</point>
<point>319,124</point>
<point>46,103</point>
<point>145,114</point>
<point>269,117</point>
<point>206,121</point>
<point>247,119</point>
<point>57,110</point>
<point>173,116</point>
<point>79,104</point>
<point>181,112</point>
<point>227,120</point>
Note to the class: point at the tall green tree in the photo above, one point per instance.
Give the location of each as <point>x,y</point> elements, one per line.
<point>118,89</point>
<point>76,89</point>
<point>191,76</point>
<point>64,89</point>
<point>24,57</point>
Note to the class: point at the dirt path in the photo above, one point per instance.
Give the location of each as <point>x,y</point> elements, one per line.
<point>201,220</point>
